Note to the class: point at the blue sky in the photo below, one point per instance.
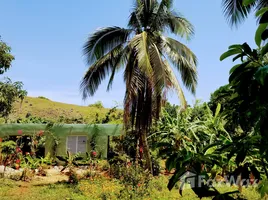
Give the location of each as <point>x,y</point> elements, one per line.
<point>47,38</point>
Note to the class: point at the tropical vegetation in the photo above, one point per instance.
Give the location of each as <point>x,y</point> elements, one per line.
<point>143,52</point>
<point>217,148</point>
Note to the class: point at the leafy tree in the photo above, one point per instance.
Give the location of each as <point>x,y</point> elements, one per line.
<point>5,57</point>
<point>144,52</point>
<point>9,92</point>
<point>236,11</point>
<point>225,96</point>
<point>190,143</point>
<point>249,80</point>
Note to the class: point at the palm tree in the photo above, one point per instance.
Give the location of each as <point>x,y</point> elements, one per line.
<point>144,52</point>
<point>236,11</point>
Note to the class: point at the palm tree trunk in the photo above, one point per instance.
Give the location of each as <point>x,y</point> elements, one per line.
<point>146,151</point>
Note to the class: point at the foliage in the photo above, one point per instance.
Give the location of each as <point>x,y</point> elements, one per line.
<point>135,181</point>
<point>144,52</point>
<point>9,92</point>
<point>237,10</point>
<point>190,141</point>
<point>73,178</point>
<point>8,151</point>
<point>70,161</point>
<point>98,104</point>
<point>249,83</point>
<point>27,174</point>
<point>188,130</point>
<point>41,97</point>
<point>5,57</point>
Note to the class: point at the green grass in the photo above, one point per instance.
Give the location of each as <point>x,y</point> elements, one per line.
<point>51,110</point>
<point>100,188</point>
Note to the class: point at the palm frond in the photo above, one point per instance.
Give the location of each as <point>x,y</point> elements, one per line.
<point>134,22</point>
<point>165,4</point>
<point>179,25</point>
<point>99,70</point>
<point>140,45</point>
<point>261,4</point>
<point>159,74</point>
<point>235,12</point>
<point>174,83</point>
<point>103,41</point>
<point>118,64</point>
<point>183,59</point>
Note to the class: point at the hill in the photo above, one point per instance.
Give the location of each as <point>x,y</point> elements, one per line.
<point>46,109</point>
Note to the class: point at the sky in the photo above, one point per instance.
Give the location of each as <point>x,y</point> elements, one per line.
<point>47,38</point>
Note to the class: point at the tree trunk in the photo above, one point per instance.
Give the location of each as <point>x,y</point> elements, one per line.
<point>146,151</point>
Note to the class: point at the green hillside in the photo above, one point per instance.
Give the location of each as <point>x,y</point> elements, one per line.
<point>55,111</point>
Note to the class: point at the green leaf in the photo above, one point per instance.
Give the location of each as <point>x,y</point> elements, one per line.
<point>241,55</point>
<point>264,50</point>
<point>235,46</point>
<point>237,71</point>
<point>218,109</point>
<point>259,32</point>
<point>247,48</point>
<point>210,150</point>
<point>248,2</point>
<point>175,178</point>
<point>261,11</point>
<point>261,74</point>
<point>61,158</point>
<point>234,68</point>
<point>171,162</point>
<point>230,53</point>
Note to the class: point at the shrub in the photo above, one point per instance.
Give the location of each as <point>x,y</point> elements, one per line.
<point>27,174</point>
<point>41,97</point>
<point>98,104</point>
<point>135,181</point>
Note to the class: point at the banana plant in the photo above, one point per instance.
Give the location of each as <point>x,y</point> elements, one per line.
<point>191,140</point>
<point>70,160</point>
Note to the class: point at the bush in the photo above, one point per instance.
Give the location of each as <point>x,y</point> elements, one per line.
<point>98,104</point>
<point>135,181</point>
<point>27,174</point>
<point>41,97</point>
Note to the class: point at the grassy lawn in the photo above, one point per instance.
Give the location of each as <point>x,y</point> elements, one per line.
<point>100,188</point>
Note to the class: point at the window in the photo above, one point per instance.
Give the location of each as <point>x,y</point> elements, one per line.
<point>76,144</point>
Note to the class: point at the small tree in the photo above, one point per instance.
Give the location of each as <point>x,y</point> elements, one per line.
<point>9,92</point>
<point>5,57</point>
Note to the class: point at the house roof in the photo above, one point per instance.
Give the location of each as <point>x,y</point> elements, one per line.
<point>61,129</point>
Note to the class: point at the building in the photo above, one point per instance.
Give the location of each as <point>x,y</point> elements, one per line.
<point>60,138</point>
